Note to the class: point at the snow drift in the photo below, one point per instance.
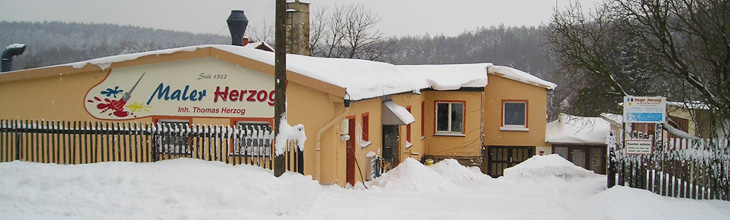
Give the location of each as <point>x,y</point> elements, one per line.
<point>174,189</point>
<point>452,170</point>
<point>412,176</point>
<point>549,165</point>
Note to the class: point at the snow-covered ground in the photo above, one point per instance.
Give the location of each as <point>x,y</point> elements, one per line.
<point>541,188</point>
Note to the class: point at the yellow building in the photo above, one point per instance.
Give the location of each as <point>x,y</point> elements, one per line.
<point>353,110</point>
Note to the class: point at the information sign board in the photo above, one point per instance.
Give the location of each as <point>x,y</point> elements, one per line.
<point>645,109</point>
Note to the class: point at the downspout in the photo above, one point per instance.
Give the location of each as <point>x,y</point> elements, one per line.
<point>318,152</point>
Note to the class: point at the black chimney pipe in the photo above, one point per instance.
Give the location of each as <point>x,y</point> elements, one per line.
<point>8,53</point>
<point>237,23</point>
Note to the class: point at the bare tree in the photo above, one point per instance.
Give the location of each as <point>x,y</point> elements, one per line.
<point>262,32</point>
<point>347,32</point>
<point>675,48</point>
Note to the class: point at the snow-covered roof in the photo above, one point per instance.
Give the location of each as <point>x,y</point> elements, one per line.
<point>570,129</point>
<point>448,76</point>
<point>692,105</point>
<point>613,118</point>
<point>361,79</point>
<point>262,45</point>
<point>518,75</point>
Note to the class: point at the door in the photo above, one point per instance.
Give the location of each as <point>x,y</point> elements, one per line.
<point>502,157</point>
<point>578,156</point>
<point>390,144</point>
<point>351,152</point>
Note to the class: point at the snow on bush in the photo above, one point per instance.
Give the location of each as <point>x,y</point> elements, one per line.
<point>549,165</point>
<point>412,176</point>
<point>452,170</point>
<point>173,189</point>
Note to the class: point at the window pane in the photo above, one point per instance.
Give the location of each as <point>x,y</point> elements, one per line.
<point>442,117</point>
<point>457,117</point>
<point>514,113</point>
<point>251,143</point>
<point>172,140</point>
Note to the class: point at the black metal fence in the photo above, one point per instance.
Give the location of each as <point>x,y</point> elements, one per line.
<point>683,168</point>
<point>81,142</point>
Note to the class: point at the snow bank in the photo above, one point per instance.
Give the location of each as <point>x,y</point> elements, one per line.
<point>620,202</point>
<point>174,189</point>
<point>549,165</point>
<point>452,170</point>
<point>412,176</point>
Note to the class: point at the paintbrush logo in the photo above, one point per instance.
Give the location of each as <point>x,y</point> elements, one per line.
<point>117,107</point>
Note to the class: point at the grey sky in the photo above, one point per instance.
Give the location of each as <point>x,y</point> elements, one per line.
<point>397,17</point>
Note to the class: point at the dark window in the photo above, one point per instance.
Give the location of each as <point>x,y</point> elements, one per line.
<point>172,140</point>
<point>365,127</point>
<point>515,114</point>
<point>255,140</point>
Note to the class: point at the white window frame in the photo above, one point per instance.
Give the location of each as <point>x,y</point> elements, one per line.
<point>514,127</point>
<point>450,132</point>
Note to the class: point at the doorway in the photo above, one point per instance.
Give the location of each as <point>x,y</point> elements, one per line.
<point>502,157</point>
<point>590,157</point>
<point>390,144</point>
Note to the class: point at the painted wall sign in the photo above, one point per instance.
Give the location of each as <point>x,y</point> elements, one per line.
<point>645,109</point>
<point>203,87</point>
<point>639,147</point>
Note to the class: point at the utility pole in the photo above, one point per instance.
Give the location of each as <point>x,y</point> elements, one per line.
<point>280,79</point>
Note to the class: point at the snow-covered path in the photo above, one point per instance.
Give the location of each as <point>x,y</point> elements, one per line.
<point>192,189</point>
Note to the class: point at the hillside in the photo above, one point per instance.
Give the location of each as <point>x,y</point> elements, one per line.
<point>50,43</point>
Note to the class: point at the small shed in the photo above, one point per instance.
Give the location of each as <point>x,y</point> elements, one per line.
<point>581,140</point>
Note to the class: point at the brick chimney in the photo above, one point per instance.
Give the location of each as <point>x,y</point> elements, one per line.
<point>297,28</point>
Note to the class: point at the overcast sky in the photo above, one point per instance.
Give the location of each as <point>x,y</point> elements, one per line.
<point>397,17</point>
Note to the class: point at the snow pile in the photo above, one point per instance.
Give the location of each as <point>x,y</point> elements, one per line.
<point>174,189</point>
<point>412,176</point>
<point>549,165</point>
<point>452,170</point>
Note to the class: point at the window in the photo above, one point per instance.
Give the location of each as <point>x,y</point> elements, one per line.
<point>365,133</point>
<point>423,119</point>
<point>408,131</point>
<point>255,141</point>
<point>172,139</point>
<point>365,127</point>
<point>449,117</point>
<point>514,115</point>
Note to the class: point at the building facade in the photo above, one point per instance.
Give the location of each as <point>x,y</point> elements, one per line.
<point>354,111</point>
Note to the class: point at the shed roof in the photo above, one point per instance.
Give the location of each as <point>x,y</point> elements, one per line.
<point>570,129</point>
